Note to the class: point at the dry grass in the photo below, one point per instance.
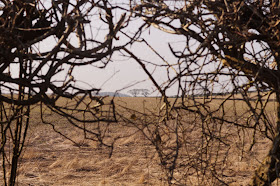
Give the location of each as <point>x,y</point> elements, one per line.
<point>50,159</point>
<point>65,164</point>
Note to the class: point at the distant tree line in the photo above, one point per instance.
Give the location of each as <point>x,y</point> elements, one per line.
<point>142,92</point>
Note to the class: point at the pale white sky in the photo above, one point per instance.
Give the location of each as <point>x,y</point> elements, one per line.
<point>125,74</point>
<point>122,73</point>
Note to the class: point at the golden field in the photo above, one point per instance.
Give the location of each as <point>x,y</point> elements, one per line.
<point>51,159</point>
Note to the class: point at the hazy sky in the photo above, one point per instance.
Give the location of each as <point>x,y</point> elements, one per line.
<point>123,73</point>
